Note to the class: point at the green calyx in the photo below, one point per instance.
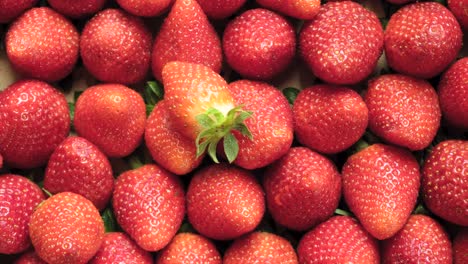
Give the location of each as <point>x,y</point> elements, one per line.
<point>217,126</point>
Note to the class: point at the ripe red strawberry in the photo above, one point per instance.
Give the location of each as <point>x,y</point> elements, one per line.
<point>302,189</point>
<point>403,110</point>
<point>453,91</point>
<point>202,107</point>
<point>422,240</point>
<point>29,257</point>
<point>189,248</point>
<point>118,247</point>
<point>149,205</point>
<point>260,247</point>
<point>341,239</point>
<point>380,186</point>
<point>78,166</point>
<point>11,9</point>
<point>445,181</point>
<point>329,118</point>
<point>422,39</point>
<point>342,44</point>
<point>35,120</point>
<point>77,9</point>
<point>145,8</point>
<point>460,247</point>
<point>116,47</point>
<point>168,147</point>
<point>1,161</point>
<point>112,117</point>
<point>66,228</point>
<point>259,44</point>
<point>220,9</point>
<point>186,35</point>
<point>58,43</point>
<point>18,198</point>
<point>224,202</point>
<point>300,9</point>
<point>271,124</point>
<point>459,8</point>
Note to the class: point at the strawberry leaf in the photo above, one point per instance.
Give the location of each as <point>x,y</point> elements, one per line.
<point>291,94</point>
<point>231,147</point>
<point>110,223</point>
<point>153,93</point>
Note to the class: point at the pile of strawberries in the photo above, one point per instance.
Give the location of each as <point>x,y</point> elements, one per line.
<point>185,147</point>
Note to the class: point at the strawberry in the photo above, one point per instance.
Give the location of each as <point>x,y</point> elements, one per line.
<point>77,9</point>
<point>400,2</point>
<point>11,9</point>
<point>403,110</point>
<point>1,161</point>
<point>342,44</point>
<point>422,240</point>
<point>224,202</point>
<point>58,43</point>
<point>460,247</point>
<point>220,9</point>
<point>186,35</point>
<point>35,120</point>
<point>118,247</point>
<point>259,44</point>
<point>453,91</point>
<point>145,8</point>
<point>340,239</point>
<point>422,39</point>
<point>168,147</point>
<point>380,186</point>
<point>202,108</point>
<point>189,248</point>
<point>270,107</point>
<point>66,228</point>
<point>329,118</point>
<point>29,257</point>
<point>260,247</point>
<point>149,205</point>
<point>302,189</point>
<point>459,8</point>
<point>445,181</point>
<point>18,198</point>
<point>116,47</point>
<point>300,9</point>
<point>111,116</point>
<point>78,166</point>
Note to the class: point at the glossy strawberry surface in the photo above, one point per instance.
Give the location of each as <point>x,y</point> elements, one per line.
<point>77,9</point>
<point>29,257</point>
<point>300,9</point>
<point>220,9</point>
<point>145,8</point>
<point>11,9</point>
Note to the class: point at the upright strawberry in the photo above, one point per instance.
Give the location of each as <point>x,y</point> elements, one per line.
<point>259,44</point>
<point>224,202</point>
<point>260,247</point>
<point>342,44</point>
<point>18,199</point>
<point>459,9</point>
<point>220,9</point>
<point>78,166</point>
<point>35,120</point>
<point>29,257</point>
<point>77,9</point>
<point>445,181</point>
<point>300,9</point>
<point>186,35</point>
<point>403,110</point>
<point>111,116</point>
<point>203,108</point>
<point>118,247</point>
<point>380,186</point>
<point>302,189</point>
<point>460,247</point>
<point>271,124</point>
<point>11,9</point>
<point>422,39</point>
<point>329,118</point>
<point>42,29</point>
<point>453,91</point>
<point>422,240</point>
<point>189,248</point>
<point>149,205</point>
<point>168,147</point>
<point>116,47</point>
<point>145,8</point>
<point>66,228</point>
<point>341,239</point>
